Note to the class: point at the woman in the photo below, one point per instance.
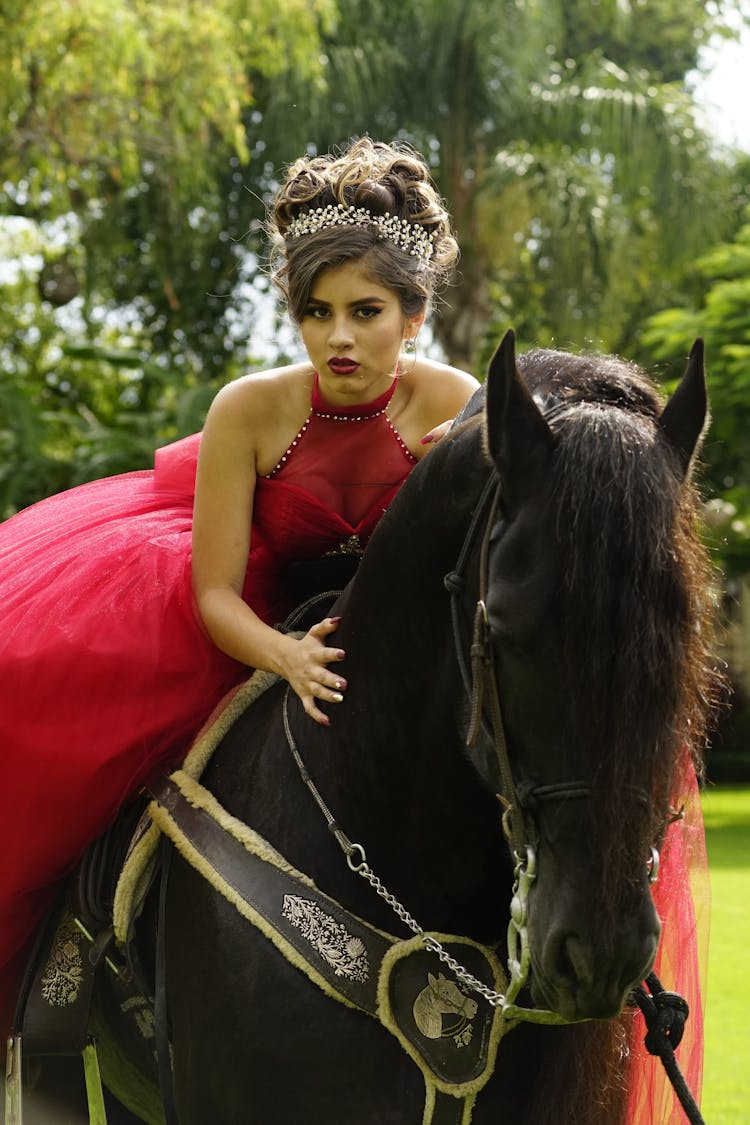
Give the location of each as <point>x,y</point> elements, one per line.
<point>126,618</point>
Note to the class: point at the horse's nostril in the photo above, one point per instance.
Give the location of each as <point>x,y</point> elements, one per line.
<point>572,964</point>
<point>588,984</point>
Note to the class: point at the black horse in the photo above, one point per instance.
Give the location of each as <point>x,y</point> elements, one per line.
<point>592,590</point>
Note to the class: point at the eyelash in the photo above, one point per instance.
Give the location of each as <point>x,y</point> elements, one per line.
<point>365,312</point>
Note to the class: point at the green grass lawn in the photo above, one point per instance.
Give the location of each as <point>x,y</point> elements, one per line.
<point>726,1087</point>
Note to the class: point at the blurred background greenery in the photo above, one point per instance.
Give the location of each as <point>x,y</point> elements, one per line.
<point>140,139</point>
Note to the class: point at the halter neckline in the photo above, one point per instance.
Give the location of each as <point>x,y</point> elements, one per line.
<point>358,409</point>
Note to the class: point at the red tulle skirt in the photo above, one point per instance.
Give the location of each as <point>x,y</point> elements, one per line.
<point>106,672</point>
<point>105,676</point>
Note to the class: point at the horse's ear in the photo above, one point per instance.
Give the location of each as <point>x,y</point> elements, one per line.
<point>518,438</point>
<point>684,417</point>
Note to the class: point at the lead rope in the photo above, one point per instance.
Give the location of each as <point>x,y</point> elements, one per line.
<point>665,1014</point>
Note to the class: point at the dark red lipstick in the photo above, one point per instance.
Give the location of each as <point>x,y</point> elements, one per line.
<point>342,366</point>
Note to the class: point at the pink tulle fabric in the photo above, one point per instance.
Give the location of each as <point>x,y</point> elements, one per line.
<point>106,672</point>
<point>682,899</point>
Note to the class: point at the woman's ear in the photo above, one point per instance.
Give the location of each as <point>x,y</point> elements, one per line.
<point>413,325</point>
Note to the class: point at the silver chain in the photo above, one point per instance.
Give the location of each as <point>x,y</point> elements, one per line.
<point>364,869</point>
<point>496,999</point>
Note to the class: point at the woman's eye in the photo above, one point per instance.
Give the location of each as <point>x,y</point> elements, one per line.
<point>316,312</point>
<point>367,312</point>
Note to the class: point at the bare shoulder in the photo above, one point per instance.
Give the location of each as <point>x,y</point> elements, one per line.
<point>430,394</point>
<point>443,387</point>
<point>258,413</point>
<point>263,393</point>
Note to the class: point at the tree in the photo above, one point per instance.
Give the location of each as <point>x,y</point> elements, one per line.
<point>131,115</point>
<point>576,181</point>
<point>125,160</point>
<point>139,139</point>
<point>722,317</point>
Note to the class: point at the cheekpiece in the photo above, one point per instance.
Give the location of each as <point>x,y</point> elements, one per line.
<point>411,237</point>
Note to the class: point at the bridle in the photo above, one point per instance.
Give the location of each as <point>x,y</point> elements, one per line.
<point>478,673</point>
<point>479,678</point>
<point>480,682</point>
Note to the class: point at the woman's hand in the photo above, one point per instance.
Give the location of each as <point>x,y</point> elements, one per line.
<point>437,433</point>
<point>305,667</point>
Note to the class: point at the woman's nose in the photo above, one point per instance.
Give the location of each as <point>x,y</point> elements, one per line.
<point>340,335</point>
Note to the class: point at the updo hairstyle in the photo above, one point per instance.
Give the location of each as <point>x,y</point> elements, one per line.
<point>383,179</point>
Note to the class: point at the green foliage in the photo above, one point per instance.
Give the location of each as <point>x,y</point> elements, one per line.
<point>565,142</point>
<point>106,415</point>
<point>132,116</point>
<point>660,39</point>
<point>726,1087</point>
<point>73,411</point>
<point>722,317</point>
<point>100,87</point>
<point>126,149</point>
<point>97,92</point>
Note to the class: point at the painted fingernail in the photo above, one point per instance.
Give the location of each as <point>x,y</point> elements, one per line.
<point>337,697</point>
<point>426,440</point>
<point>334,620</point>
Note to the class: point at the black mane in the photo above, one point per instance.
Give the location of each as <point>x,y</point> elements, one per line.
<point>635,582</point>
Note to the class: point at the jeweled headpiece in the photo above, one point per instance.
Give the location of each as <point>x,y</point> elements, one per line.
<point>411,237</point>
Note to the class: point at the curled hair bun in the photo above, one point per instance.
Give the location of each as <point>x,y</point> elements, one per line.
<point>375,176</point>
<point>376,197</point>
<point>371,174</point>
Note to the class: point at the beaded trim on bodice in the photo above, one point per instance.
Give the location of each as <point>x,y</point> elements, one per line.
<point>365,413</point>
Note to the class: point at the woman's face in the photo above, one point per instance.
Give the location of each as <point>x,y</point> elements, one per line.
<point>353,329</point>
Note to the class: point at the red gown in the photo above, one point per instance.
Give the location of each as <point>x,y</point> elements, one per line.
<point>106,672</point>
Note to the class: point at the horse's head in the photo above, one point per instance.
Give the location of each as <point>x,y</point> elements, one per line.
<point>596,590</point>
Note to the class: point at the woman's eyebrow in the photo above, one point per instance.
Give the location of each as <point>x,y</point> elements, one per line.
<point>350,304</point>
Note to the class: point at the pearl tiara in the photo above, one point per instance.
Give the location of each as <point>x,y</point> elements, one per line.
<point>411,237</point>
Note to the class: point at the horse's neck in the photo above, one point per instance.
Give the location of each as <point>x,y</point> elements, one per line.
<point>397,779</point>
<point>395,766</point>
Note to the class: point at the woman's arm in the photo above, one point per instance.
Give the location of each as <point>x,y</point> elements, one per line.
<point>224,495</point>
